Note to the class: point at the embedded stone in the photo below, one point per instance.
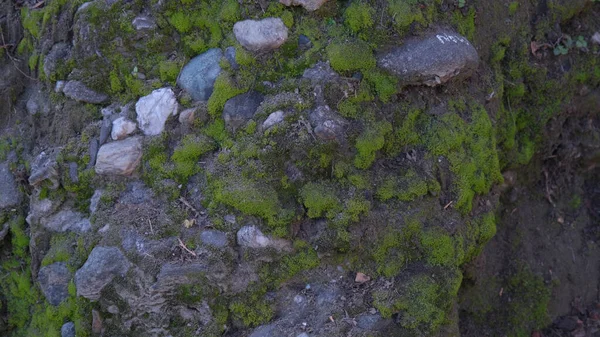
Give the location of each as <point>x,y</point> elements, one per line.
<point>121,157</point>
<point>54,281</point>
<point>80,92</point>
<point>198,76</point>
<point>121,128</point>
<point>10,195</point>
<point>154,109</point>
<point>261,35</point>
<point>102,266</point>
<point>241,108</point>
<point>309,5</point>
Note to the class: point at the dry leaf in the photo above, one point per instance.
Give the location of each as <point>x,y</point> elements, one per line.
<point>189,223</point>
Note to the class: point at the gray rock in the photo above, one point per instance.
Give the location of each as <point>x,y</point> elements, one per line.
<point>198,76</point>
<point>304,42</point>
<point>172,275</point>
<point>68,330</point>
<point>368,321</point>
<point>78,91</point>
<point>214,238</point>
<point>327,124</point>
<point>230,56</point>
<point>187,116</point>
<point>309,5</point>
<point>261,35</point>
<point>105,130</point>
<point>121,128</point>
<point>73,172</point>
<point>10,195</point>
<point>239,109</point>
<point>44,168</point>
<point>136,193</point>
<point>121,157</point>
<point>54,281</point>
<point>95,201</point>
<point>101,267</point>
<point>93,149</point>
<point>273,119</point>
<point>264,331</point>
<point>60,86</point>
<point>252,237</point>
<point>66,220</point>
<point>596,38</point>
<point>143,22</point>
<point>39,208</point>
<point>37,102</point>
<point>432,60</point>
<point>304,334</point>
<point>153,110</point>
<point>320,73</point>
<point>60,52</point>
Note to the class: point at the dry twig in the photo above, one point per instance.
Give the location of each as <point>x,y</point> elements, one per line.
<point>182,245</point>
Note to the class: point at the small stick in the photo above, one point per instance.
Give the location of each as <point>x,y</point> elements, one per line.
<point>450,203</point>
<point>188,205</point>
<point>151,229</point>
<point>186,248</point>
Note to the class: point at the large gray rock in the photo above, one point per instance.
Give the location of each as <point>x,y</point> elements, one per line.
<point>309,5</point>
<point>68,330</point>
<point>66,220</point>
<point>154,109</point>
<point>327,124</point>
<point>199,75</point>
<point>101,267</point>
<point>241,108</point>
<point>60,52</point>
<point>10,195</point>
<point>80,92</point>
<point>261,35</point>
<point>121,157</point>
<point>54,281</point>
<point>432,60</point>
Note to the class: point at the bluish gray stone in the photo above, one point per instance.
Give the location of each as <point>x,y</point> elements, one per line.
<point>241,108</point>
<point>78,91</point>
<point>214,238</point>
<point>304,42</point>
<point>68,330</point>
<point>101,267</point>
<point>230,56</point>
<point>199,75</point>
<point>10,195</point>
<point>54,281</point>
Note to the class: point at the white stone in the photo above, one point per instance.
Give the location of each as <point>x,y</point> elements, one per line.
<point>120,157</point>
<point>596,38</point>
<point>273,119</point>
<point>261,35</point>
<point>154,109</point>
<point>187,116</point>
<point>121,128</point>
<point>251,236</point>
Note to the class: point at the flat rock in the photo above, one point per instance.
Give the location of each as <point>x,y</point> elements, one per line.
<point>105,130</point>
<point>121,128</point>
<point>261,35</point>
<point>45,168</point>
<point>67,330</point>
<point>80,92</point>
<point>120,157</point>
<point>154,109</point>
<point>143,22</point>
<point>102,266</point>
<point>431,60</point>
<point>66,220</point>
<point>10,195</point>
<point>54,281</point>
<point>327,124</point>
<point>198,76</point>
<point>309,5</point>
<point>172,275</point>
<point>214,238</point>
<point>273,119</point>
<point>241,108</point>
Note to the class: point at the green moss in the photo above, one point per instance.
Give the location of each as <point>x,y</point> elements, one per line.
<point>320,200</point>
<point>181,21</point>
<point>115,83</point>
<point>31,20</point>
<point>348,56</point>
<point>385,85</point>
<point>406,134</point>
<point>288,18</point>
<point>396,248</point>
<point>186,155</point>
<point>224,89</point>
<point>369,142</point>
<point>530,298</point>
<point>406,188</point>
<point>230,11</point>
<point>513,7</point>
<point>252,309</point>
<point>439,248</point>
<point>405,13</point>
<point>83,189</point>
<point>359,16</point>
<point>169,70</point>
<point>465,24</point>
<point>305,258</point>
<point>19,238</point>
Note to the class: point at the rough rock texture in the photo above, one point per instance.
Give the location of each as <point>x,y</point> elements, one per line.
<point>241,108</point>
<point>199,75</point>
<point>154,109</point>
<point>67,330</point>
<point>121,157</point>
<point>260,36</point>
<point>66,220</point>
<point>143,22</point>
<point>105,130</point>
<point>230,57</point>
<point>121,128</point>
<point>78,91</point>
<point>252,237</point>
<point>432,60</point>
<point>327,124</point>
<point>214,238</point>
<point>309,5</point>
<point>273,119</point>
<point>59,53</point>
<point>101,267</point>
<point>54,281</point>
<point>187,116</point>
<point>44,168</point>
<point>10,195</point>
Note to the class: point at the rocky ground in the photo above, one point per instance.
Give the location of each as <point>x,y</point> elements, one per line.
<point>299,168</point>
